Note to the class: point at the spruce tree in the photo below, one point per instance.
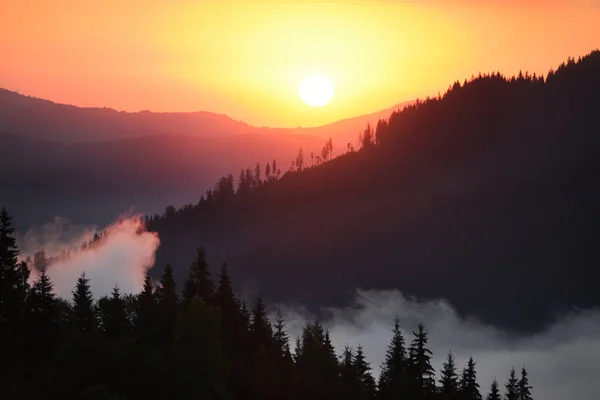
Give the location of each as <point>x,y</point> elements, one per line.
<point>83,310</point>
<point>113,318</point>
<point>235,322</point>
<point>261,327</point>
<point>524,390</point>
<point>421,373</point>
<point>469,388</point>
<point>264,355</point>
<point>494,393</point>
<point>199,281</point>
<point>168,303</point>
<point>145,321</point>
<point>224,296</point>
<point>449,379</point>
<point>13,277</point>
<point>284,364</point>
<point>280,336</point>
<point>317,367</point>
<point>367,387</point>
<point>512,386</point>
<point>392,381</point>
<point>42,306</point>
<point>349,379</point>
<point>196,355</point>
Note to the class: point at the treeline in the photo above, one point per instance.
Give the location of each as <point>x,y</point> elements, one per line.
<point>200,342</point>
<point>474,105</point>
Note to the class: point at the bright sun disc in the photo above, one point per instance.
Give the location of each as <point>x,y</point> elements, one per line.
<point>316,90</point>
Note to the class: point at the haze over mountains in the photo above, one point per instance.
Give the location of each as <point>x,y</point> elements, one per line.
<point>91,164</point>
<point>487,197</point>
<point>46,120</point>
<point>492,186</point>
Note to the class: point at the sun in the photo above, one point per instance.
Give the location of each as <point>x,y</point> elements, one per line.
<point>316,90</point>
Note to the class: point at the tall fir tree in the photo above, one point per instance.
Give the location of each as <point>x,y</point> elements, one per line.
<point>84,318</point>
<point>449,387</point>
<point>111,312</point>
<point>421,373</point>
<point>524,389</point>
<point>317,369</point>
<point>494,393</point>
<point>367,388</point>
<point>392,381</point>
<point>199,281</point>
<point>349,379</point>
<point>145,322</point>
<point>13,277</point>
<point>42,306</point>
<point>235,335</point>
<point>284,364</point>
<point>197,360</point>
<point>512,386</point>
<point>280,336</point>
<point>469,388</point>
<point>261,327</point>
<point>168,303</point>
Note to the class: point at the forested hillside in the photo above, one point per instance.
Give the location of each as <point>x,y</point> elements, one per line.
<point>196,341</point>
<point>486,195</point>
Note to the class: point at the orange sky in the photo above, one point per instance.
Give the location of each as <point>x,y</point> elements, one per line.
<point>246,58</point>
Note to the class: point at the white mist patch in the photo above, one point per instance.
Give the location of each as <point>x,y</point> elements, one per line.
<point>561,360</point>
<point>121,258</point>
<point>54,237</point>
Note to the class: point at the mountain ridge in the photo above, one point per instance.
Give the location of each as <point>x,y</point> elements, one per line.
<point>44,119</point>
<point>493,185</point>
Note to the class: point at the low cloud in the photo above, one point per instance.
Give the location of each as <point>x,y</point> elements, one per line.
<point>54,237</point>
<point>561,360</point>
<point>120,258</point>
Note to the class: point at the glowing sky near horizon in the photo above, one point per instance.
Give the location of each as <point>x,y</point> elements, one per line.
<point>247,58</point>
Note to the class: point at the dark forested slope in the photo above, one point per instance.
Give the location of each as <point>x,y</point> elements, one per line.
<point>486,196</point>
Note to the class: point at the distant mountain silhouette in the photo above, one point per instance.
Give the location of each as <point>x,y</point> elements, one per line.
<point>46,120</point>
<point>487,197</point>
<point>95,182</point>
<point>90,164</point>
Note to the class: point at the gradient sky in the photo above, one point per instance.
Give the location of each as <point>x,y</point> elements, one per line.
<point>246,58</point>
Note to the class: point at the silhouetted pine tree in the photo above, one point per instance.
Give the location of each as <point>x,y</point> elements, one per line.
<point>243,184</point>
<point>284,364</point>
<point>168,303</point>
<point>420,371</point>
<point>145,321</point>
<point>524,390</point>
<point>84,318</point>
<point>469,388</point>
<point>111,311</point>
<point>368,386</point>
<point>196,355</point>
<point>13,279</point>
<point>235,335</point>
<point>42,306</point>
<point>257,176</point>
<point>512,386</point>
<point>392,381</point>
<point>317,369</point>
<point>494,393</point>
<point>449,388</point>
<point>263,346</point>
<point>199,281</point>
<point>349,379</point>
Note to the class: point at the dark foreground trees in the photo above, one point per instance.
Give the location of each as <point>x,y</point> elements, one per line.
<point>202,342</point>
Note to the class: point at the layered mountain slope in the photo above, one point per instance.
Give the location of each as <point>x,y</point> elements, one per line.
<point>46,120</point>
<point>493,186</point>
<point>95,182</point>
